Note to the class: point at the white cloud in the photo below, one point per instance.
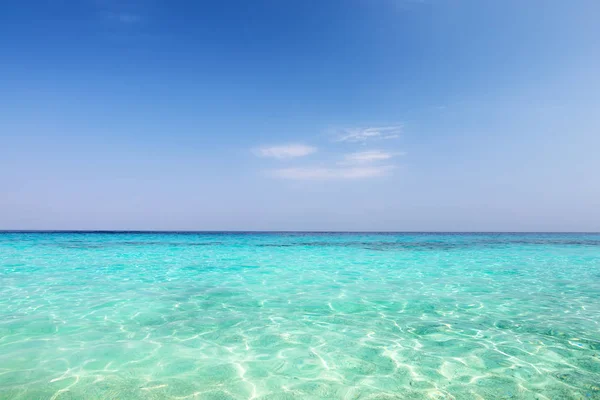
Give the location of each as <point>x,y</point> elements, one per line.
<point>285,151</point>
<point>322,173</point>
<point>365,157</point>
<point>361,135</point>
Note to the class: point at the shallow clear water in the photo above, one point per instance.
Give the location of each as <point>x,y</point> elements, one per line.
<point>299,316</point>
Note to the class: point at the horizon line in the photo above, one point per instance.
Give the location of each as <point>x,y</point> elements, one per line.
<point>282,231</point>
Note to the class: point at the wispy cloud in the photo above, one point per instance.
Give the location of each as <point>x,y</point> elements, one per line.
<point>285,151</point>
<point>323,173</point>
<point>342,166</point>
<point>366,157</point>
<point>362,135</point>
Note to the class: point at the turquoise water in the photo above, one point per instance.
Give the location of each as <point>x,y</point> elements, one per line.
<point>299,316</point>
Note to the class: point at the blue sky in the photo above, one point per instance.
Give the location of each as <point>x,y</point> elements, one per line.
<point>402,115</point>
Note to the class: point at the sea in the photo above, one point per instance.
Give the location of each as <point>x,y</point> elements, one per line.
<point>284,315</point>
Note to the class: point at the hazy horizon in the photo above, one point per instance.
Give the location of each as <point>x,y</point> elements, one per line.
<point>351,116</point>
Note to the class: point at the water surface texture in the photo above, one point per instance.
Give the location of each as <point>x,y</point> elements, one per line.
<point>299,316</point>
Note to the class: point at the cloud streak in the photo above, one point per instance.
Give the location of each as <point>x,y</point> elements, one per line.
<point>285,151</point>
<point>367,157</point>
<point>323,173</point>
<point>362,135</point>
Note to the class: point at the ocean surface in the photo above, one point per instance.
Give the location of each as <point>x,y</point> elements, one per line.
<point>299,316</point>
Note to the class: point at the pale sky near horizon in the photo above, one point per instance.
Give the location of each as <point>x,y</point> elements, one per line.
<point>395,115</point>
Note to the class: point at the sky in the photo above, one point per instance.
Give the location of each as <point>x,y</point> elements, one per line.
<point>353,115</point>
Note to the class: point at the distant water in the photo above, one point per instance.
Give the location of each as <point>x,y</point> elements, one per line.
<point>299,316</point>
